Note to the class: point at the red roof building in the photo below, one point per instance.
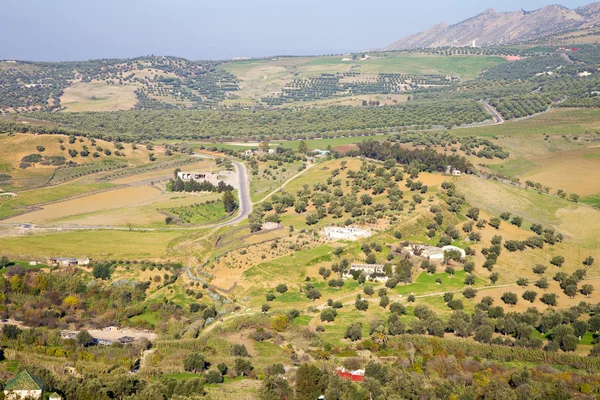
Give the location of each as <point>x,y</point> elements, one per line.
<point>354,376</point>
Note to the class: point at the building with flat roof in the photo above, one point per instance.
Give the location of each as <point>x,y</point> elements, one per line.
<point>347,233</point>
<point>198,176</point>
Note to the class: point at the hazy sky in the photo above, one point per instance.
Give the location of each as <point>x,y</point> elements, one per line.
<point>58,30</point>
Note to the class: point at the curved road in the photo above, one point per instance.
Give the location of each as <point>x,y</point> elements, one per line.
<point>245,208</point>
<point>495,114</point>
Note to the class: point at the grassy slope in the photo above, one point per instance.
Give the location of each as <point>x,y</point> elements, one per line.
<point>94,244</point>
<point>259,78</point>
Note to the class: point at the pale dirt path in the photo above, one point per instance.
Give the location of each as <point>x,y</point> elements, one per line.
<point>308,166</point>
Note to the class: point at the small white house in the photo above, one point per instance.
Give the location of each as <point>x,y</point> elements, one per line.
<point>456,172</point>
<point>248,153</point>
<point>433,253</point>
<point>348,233</point>
<point>368,270</point>
<point>198,176</point>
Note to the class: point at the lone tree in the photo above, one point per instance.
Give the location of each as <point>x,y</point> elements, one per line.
<point>510,298</point>
<point>229,202</point>
<point>589,260</point>
<point>281,288</point>
<point>470,279</point>
<point>302,147</point>
<point>473,213</point>
<point>84,339</point>
<point>354,332</point>
<point>586,290</point>
<point>549,299</point>
<point>557,260</point>
<point>495,222</point>
<point>328,315</point>
<point>542,283</point>
<point>313,294</point>
<point>530,295</point>
<point>470,293</point>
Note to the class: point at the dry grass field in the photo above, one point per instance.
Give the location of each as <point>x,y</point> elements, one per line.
<point>98,96</point>
<point>119,198</point>
<point>575,171</point>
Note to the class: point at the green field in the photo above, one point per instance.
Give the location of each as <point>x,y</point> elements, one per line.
<point>425,283</point>
<point>560,121</point>
<point>199,213</point>
<point>466,67</point>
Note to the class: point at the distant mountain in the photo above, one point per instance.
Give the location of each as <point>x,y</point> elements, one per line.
<point>496,28</point>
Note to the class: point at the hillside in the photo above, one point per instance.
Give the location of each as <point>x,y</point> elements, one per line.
<point>492,28</point>
<point>150,83</point>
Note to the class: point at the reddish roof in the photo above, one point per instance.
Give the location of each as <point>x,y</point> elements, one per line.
<point>355,376</point>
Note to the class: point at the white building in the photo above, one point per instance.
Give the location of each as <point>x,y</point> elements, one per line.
<point>198,176</point>
<point>368,270</point>
<point>433,253</point>
<point>69,261</point>
<point>349,233</point>
<point>248,153</point>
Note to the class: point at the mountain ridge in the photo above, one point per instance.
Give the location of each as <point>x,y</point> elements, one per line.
<point>490,27</point>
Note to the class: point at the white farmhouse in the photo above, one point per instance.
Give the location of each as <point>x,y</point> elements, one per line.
<point>198,176</point>
<point>348,233</point>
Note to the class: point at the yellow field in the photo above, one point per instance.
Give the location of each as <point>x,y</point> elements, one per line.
<point>119,198</point>
<point>98,96</point>
<point>101,244</point>
<point>575,171</point>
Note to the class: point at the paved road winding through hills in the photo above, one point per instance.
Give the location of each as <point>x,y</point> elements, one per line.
<point>244,209</point>
<point>495,114</point>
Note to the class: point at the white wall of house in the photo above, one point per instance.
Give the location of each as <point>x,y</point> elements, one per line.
<point>22,394</point>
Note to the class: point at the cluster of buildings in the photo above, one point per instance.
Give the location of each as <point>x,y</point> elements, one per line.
<point>347,233</point>
<point>199,176</point>
<point>433,253</point>
<point>258,152</point>
<point>374,271</point>
<point>68,261</point>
